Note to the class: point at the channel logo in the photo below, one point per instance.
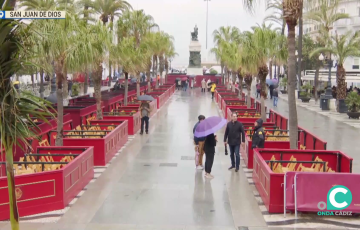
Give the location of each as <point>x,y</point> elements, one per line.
<point>2,14</point>
<point>338,198</point>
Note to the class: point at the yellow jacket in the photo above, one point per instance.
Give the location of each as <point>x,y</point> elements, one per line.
<point>213,87</point>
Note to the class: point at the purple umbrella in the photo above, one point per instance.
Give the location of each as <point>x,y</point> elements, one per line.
<point>209,125</point>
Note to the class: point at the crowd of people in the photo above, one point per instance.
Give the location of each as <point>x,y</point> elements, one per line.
<point>234,137</point>
<point>271,92</point>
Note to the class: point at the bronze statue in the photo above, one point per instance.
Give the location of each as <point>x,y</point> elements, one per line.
<point>194,35</point>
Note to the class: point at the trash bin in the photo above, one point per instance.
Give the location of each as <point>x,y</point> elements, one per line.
<point>322,96</point>
<point>325,104</point>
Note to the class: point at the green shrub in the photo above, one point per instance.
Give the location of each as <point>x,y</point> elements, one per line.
<point>352,101</point>
<point>306,90</point>
<point>75,89</point>
<point>212,71</point>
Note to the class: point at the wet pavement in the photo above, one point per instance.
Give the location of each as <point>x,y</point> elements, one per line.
<point>339,136</point>
<point>153,184</point>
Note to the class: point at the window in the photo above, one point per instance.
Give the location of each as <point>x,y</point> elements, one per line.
<point>342,10</point>
<point>356,63</point>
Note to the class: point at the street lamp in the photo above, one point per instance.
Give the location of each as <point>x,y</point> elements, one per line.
<point>330,64</point>
<point>207,16</point>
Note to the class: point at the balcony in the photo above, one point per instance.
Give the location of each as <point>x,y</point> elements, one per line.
<point>342,23</point>
<point>355,21</point>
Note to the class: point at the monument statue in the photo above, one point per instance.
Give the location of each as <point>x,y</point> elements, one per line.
<point>194,35</point>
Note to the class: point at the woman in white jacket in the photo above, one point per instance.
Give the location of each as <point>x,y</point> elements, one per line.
<point>203,85</point>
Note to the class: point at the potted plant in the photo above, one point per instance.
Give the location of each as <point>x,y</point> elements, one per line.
<point>283,83</point>
<point>305,92</point>
<point>75,89</point>
<point>352,101</point>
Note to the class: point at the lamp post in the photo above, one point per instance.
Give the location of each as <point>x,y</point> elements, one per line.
<point>330,64</point>
<point>207,16</point>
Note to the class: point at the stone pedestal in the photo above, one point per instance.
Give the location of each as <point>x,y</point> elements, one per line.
<point>194,67</point>
<point>194,71</point>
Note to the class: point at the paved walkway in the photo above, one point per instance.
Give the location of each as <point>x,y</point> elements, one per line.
<point>312,106</point>
<point>152,184</point>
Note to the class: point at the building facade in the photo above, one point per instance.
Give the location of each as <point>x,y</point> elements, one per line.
<point>351,7</point>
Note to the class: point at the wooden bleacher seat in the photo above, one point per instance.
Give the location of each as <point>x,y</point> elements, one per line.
<point>290,166</point>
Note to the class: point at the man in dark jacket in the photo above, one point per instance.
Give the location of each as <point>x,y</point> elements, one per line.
<point>233,133</point>
<point>258,139</point>
<point>199,145</point>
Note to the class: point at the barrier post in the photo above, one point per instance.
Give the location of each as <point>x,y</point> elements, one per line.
<point>295,197</point>
<point>284,194</point>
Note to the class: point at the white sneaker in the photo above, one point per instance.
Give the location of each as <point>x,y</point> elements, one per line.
<point>209,176</point>
<point>199,167</point>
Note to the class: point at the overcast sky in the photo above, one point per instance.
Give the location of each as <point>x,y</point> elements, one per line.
<point>178,18</point>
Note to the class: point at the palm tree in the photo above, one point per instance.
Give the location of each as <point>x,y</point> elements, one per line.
<point>108,10</point>
<point>292,10</point>
<point>138,25</point>
<point>130,59</point>
<point>69,52</point>
<point>99,41</point>
<point>17,109</point>
<point>255,47</point>
<point>222,36</point>
<point>343,47</point>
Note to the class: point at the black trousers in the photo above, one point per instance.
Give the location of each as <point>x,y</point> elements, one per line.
<point>145,120</point>
<point>212,95</point>
<point>202,89</point>
<point>209,162</point>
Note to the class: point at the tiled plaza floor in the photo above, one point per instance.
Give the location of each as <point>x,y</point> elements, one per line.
<point>152,183</point>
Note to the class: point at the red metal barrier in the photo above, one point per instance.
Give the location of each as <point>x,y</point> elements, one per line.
<point>50,190</point>
<point>248,153</point>
<point>269,183</point>
<point>311,141</point>
<point>320,184</point>
<point>280,121</point>
<point>79,114</point>
<point>134,120</point>
<point>227,103</point>
<point>160,97</point>
<point>104,148</point>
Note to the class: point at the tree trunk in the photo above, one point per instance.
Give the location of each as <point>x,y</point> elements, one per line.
<point>270,69</point>
<point>65,85</point>
<point>138,84</point>
<point>278,71</point>
<point>316,82</point>
<point>14,214</point>
<point>293,120</point>
<point>222,74</point>
<point>42,83</point>
<point>233,75</point>
<point>109,82</point>
<point>97,90</point>
<point>240,87</point>
<point>86,82</point>
<point>228,78</point>
<point>126,87</point>
<point>60,100</point>
<point>341,84</point>
<point>263,72</point>
<point>248,80</point>
<point>300,47</point>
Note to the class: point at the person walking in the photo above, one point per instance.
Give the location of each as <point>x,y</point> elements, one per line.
<point>145,113</point>
<point>213,87</point>
<point>258,90</point>
<point>179,84</point>
<point>199,145</point>
<point>271,89</point>
<point>203,85</point>
<point>234,136</point>
<point>258,138</point>
<point>70,84</point>
<point>209,148</point>
<point>192,83</point>
<point>186,85</point>
<point>276,96</point>
<point>208,85</point>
